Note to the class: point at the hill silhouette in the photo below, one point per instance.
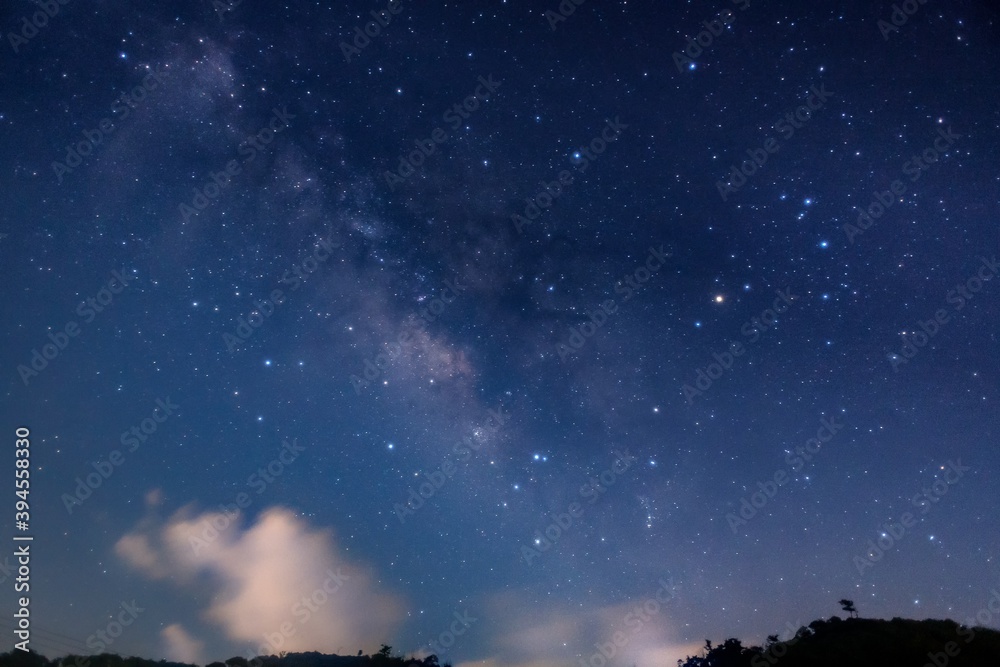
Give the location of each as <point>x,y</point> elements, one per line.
<point>309,659</point>
<point>863,642</point>
<point>836,642</point>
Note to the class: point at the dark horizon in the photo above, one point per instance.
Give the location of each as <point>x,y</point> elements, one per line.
<point>864,641</point>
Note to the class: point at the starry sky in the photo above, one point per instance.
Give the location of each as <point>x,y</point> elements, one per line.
<point>485,328</point>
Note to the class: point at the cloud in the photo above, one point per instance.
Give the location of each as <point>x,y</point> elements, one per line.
<point>179,646</point>
<point>556,634</point>
<point>136,550</point>
<point>154,498</point>
<point>278,578</point>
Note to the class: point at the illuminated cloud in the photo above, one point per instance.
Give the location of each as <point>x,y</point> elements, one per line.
<point>277,579</point>
<point>136,550</point>
<point>179,646</point>
<point>550,635</point>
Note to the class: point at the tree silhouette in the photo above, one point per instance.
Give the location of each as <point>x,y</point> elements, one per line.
<point>823,643</point>
<point>848,606</point>
<point>730,653</point>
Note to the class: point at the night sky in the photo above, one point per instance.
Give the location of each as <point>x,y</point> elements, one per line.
<point>492,330</point>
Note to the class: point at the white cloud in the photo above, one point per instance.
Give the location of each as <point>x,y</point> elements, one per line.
<point>137,551</point>
<point>555,635</point>
<point>278,578</point>
<point>180,646</point>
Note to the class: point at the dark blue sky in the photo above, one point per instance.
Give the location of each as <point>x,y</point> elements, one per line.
<point>493,315</point>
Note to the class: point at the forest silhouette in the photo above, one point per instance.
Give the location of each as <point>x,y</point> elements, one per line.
<point>862,642</point>
<point>836,642</point>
